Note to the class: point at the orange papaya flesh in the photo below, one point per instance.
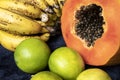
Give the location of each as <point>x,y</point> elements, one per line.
<point>103,50</point>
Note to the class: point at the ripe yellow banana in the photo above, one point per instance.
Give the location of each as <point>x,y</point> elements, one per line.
<point>42,4</point>
<point>47,28</point>
<point>48,23</point>
<point>18,24</point>
<point>21,8</point>
<point>11,41</point>
<point>55,5</point>
<point>50,27</point>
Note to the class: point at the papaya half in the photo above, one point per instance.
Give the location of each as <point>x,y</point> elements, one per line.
<point>92,27</point>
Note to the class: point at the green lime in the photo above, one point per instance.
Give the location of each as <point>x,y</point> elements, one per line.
<point>46,75</point>
<point>66,62</point>
<point>32,55</point>
<point>93,74</point>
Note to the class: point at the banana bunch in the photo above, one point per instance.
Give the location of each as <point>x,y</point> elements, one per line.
<point>22,19</point>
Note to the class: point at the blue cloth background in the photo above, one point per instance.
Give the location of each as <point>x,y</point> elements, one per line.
<point>9,71</point>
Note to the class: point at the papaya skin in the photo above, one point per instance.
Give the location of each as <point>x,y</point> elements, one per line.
<point>107,48</point>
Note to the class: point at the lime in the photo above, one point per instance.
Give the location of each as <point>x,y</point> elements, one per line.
<point>66,62</point>
<point>45,75</point>
<point>32,55</point>
<point>93,74</point>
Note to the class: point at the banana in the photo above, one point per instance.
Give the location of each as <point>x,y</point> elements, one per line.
<point>52,29</point>
<point>42,4</point>
<point>21,8</point>
<point>61,3</point>
<point>54,4</point>
<point>48,23</point>
<point>45,37</point>
<point>11,41</point>
<point>39,3</point>
<point>18,24</point>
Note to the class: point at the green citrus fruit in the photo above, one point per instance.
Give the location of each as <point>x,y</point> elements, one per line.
<point>66,62</point>
<point>46,75</point>
<point>93,74</point>
<point>32,55</point>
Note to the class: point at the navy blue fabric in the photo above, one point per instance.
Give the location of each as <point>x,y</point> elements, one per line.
<point>9,71</point>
